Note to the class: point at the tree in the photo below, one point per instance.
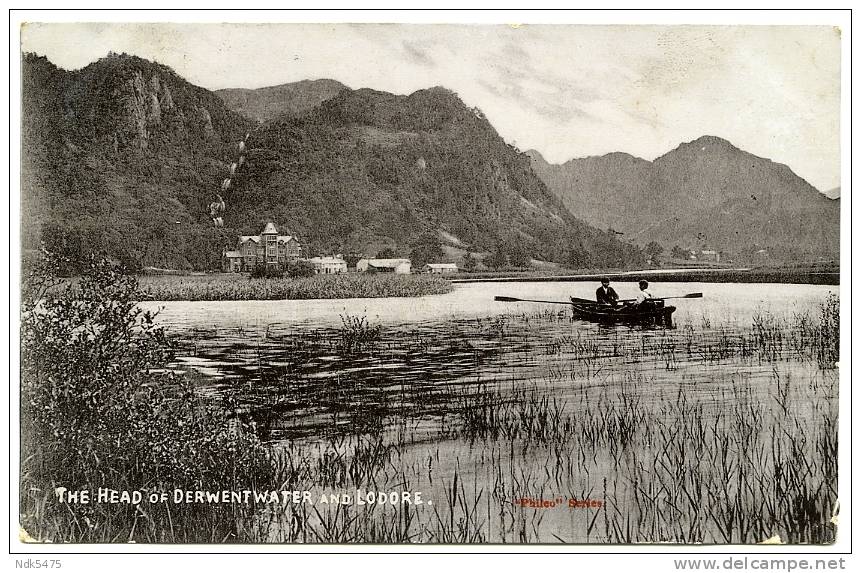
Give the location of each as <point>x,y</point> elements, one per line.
<point>578,258</point>
<point>517,255</point>
<point>653,251</point>
<point>300,269</point>
<point>352,260</point>
<point>426,249</point>
<point>386,253</point>
<point>678,253</point>
<point>469,262</point>
<point>497,259</point>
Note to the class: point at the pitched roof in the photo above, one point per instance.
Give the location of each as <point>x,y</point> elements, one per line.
<point>256,238</point>
<point>269,229</point>
<point>387,262</point>
<point>442,265</point>
<point>231,254</point>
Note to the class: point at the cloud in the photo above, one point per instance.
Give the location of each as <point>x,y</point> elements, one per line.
<point>417,55</point>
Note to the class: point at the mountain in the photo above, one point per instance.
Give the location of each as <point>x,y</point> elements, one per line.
<point>124,156</point>
<point>705,194</point>
<point>602,189</point>
<point>294,99</point>
<point>369,169</point>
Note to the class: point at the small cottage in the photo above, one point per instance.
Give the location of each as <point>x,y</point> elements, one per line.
<point>440,268</point>
<point>396,266</point>
<point>328,265</point>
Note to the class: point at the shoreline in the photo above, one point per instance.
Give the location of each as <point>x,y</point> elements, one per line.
<point>736,275</point>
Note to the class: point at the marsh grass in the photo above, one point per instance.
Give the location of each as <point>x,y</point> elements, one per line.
<point>357,333</point>
<point>344,285</point>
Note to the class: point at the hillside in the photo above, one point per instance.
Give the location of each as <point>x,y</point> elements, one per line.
<point>294,99</point>
<point>370,169</point>
<point>705,194</point>
<point>123,156</point>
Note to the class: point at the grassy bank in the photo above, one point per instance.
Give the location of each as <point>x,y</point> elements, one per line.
<point>237,287</point>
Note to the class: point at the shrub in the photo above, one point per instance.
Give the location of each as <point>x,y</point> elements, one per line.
<point>98,409</point>
<point>266,272</point>
<point>300,269</point>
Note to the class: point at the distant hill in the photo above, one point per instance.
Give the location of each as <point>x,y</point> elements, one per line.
<point>124,156</point>
<point>293,99</point>
<point>705,194</point>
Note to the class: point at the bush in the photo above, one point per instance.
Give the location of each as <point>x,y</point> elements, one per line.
<point>266,272</point>
<point>98,409</point>
<point>300,269</point>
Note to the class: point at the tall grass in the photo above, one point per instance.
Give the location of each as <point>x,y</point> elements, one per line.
<point>345,285</point>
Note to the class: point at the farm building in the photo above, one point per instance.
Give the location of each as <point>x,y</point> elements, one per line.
<point>397,266</point>
<point>440,268</point>
<point>268,248</point>
<point>328,265</point>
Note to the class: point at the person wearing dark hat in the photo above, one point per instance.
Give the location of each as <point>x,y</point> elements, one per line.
<point>605,293</point>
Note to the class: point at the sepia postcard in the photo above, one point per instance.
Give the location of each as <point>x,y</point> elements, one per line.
<point>429,284</point>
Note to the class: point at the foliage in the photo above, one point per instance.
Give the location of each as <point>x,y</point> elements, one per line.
<point>653,250</point>
<point>387,253</point>
<point>263,271</point>
<point>341,285</point>
<point>426,249</point>
<point>300,269</point>
<point>497,258</point>
<point>98,408</point>
<point>579,258</point>
<point>352,260</point>
<point>678,253</point>
<point>469,262</point>
<point>516,253</point>
<point>357,333</point>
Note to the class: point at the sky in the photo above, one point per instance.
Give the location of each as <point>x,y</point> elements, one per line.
<point>565,90</point>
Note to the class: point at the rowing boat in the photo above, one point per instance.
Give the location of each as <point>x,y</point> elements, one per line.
<point>655,313</point>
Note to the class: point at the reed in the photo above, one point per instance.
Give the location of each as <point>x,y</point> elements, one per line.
<point>345,285</point>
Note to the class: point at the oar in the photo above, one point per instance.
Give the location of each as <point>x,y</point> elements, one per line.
<point>587,301</point>
<point>691,295</point>
<point>584,300</point>
<point>512,299</point>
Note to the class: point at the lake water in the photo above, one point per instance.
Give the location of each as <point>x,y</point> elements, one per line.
<point>321,380</point>
<point>289,363</point>
<point>473,300</point>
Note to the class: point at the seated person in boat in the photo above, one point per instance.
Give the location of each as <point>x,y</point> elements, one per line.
<point>605,293</point>
<point>644,297</point>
